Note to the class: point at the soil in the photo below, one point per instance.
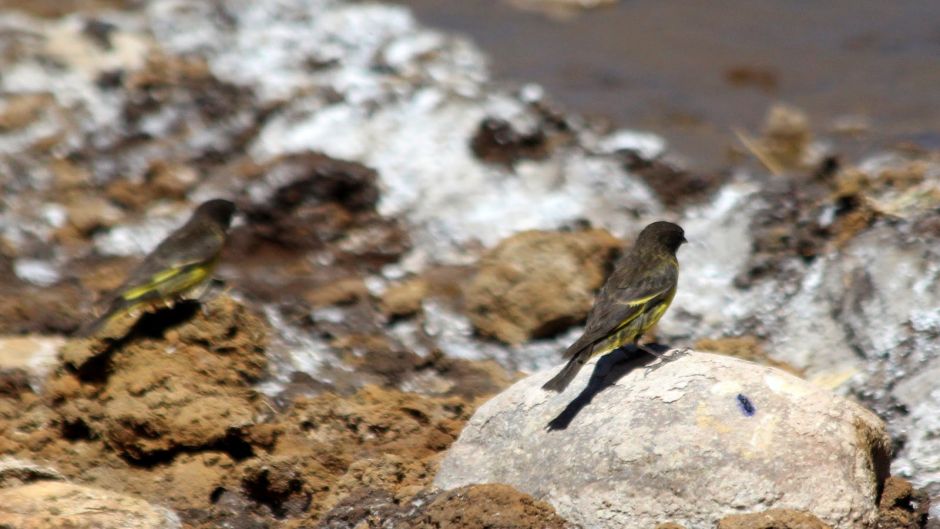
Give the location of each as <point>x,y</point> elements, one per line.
<point>168,412</point>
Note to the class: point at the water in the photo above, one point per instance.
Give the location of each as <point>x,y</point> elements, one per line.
<point>692,70</point>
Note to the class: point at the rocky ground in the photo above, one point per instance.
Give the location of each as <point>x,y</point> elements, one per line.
<point>414,238</point>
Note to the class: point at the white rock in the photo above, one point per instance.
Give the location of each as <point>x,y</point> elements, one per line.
<point>56,504</point>
<point>15,472</point>
<point>36,355</point>
<point>678,443</point>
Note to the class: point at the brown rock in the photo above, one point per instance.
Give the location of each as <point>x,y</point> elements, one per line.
<point>674,185</point>
<point>28,309</point>
<point>60,505</point>
<point>171,180</point>
<point>404,477</point>
<point>497,141</point>
<point>901,507</point>
<point>87,213</point>
<point>404,299</point>
<point>278,483</point>
<point>537,283</point>
<point>341,292</point>
<point>470,379</point>
<point>485,507</point>
<point>472,507</point>
<point>148,394</point>
<point>22,110</point>
<point>772,519</point>
<point>374,438</point>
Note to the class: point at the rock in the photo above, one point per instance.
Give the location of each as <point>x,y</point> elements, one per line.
<point>485,507</point>
<point>537,283</point>
<point>471,507</point>
<point>180,380</point>
<point>340,292</point>
<point>87,213</point>
<point>404,299</point>
<point>329,446</point>
<point>14,472</point>
<point>772,519</point>
<point>60,505</point>
<point>901,507</point>
<point>690,441</point>
<point>25,361</point>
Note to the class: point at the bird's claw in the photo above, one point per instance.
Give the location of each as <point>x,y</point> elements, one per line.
<point>667,358</point>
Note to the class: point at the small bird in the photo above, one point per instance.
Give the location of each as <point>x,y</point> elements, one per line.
<point>180,264</point>
<point>632,300</point>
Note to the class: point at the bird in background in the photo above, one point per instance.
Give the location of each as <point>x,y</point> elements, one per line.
<point>635,296</point>
<point>178,266</point>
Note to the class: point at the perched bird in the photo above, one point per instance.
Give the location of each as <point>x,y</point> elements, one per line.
<point>632,300</point>
<point>180,264</point>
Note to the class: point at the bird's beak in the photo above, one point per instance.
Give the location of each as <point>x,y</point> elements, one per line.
<point>684,239</point>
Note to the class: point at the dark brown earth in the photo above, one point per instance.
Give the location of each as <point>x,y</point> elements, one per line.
<point>168,413</point>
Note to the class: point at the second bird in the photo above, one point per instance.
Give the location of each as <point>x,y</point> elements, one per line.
<point>177,266</point>
<point>632,300</point>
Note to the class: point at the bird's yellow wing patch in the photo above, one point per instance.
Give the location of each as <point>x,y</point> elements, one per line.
<point>170,281</point>
<point>649,315</point>
<point>640,301</point>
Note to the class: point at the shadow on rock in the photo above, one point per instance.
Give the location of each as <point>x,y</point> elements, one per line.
<point>608,370</point>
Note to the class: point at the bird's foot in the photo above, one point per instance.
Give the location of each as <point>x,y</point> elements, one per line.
<point>677,353</point>
<point>207,292</point>
<point>665,358</point>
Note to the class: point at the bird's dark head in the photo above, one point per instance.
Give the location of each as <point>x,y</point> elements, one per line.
<point>662,234</point>
<point>218,210</point>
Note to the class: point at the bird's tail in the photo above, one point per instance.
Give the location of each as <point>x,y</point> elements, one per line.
<point>564,377</point>
<point>117,306</point>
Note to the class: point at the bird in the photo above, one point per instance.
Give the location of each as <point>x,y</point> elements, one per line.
<point>632,300</point>
<point>178,266</point>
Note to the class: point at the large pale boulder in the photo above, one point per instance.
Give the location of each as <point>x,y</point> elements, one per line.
<point>57,504</point>
<point>689,442</point>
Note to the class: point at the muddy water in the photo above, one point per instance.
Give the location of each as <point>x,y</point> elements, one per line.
<point>692,70</point>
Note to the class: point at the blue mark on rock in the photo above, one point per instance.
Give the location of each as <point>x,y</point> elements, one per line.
<point>747,407</point>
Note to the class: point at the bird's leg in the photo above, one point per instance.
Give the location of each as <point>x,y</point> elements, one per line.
<point>663,358</point>
<point>208,291</point>
<point>649,351</point>
<point>677,353</point>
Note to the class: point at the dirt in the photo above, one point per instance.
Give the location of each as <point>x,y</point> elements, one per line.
<point>148,401</point>
<point>168,412</point>
<point>901,506</point>
<point>505,142</point>
<point>471,507</point>
<point>51,310</point>
<point>772,519</point>
<point>404,299</point>
<point>674,186</point>
<point>538,283</point>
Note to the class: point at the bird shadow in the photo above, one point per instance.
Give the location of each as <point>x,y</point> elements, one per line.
<point>151,324</point>
<point>607,371</point>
